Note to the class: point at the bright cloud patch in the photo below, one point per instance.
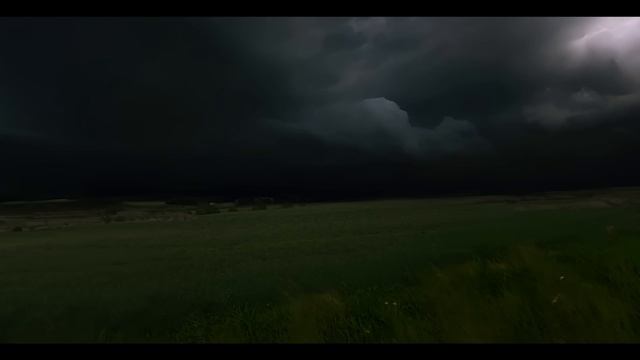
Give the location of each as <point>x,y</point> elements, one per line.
<point>379,124</point>
<point>609,38</point>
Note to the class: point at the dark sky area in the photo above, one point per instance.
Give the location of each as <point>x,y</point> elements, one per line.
<point>316,107</point>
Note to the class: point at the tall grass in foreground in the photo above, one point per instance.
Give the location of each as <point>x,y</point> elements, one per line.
<point>526,294</point>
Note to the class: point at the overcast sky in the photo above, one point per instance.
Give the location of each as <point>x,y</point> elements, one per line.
<point>316,106</point>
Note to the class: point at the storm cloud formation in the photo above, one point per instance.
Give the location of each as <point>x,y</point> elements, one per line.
<point>326,107</point>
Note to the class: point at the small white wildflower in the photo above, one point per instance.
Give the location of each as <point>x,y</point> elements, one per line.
<point>555,299</point>
<point>562,277</point>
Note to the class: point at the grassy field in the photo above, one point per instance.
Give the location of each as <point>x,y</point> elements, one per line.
<point>562,267</point>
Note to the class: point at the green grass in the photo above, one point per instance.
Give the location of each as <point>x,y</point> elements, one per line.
<point>456,269</point>
<point>526,296</point>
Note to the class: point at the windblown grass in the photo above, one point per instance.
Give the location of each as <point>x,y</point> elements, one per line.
<point>526,295</point>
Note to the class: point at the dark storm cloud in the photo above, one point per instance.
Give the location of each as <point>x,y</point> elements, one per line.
<point>228,103</point>
<point>138,83</point>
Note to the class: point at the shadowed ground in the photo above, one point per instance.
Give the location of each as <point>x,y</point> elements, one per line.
<point>552,267</point>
